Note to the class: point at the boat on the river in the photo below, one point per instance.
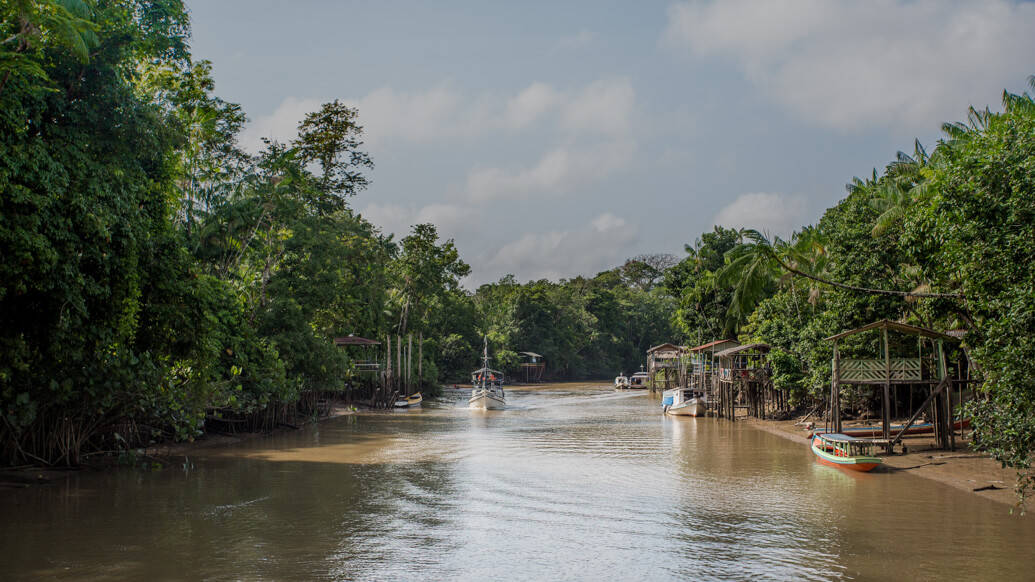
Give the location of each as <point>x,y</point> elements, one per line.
<point>621,382</point>
<point>684,402</point>
<point>844,451</point>
<point>409,401</point>
<point>874,431</point>
<point>638,381</point>
<point>488,386</point>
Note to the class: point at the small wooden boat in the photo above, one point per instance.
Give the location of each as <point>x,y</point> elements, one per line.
<point>621,382</point>
<point>683,402</point>
<point>874,431</point>
<point>846,452</point>
<point>408,401</point>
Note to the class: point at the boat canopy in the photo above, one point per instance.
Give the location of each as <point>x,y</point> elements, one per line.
<point>840,438</point>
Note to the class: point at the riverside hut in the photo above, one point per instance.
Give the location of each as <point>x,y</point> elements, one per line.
<point>669,361</point>
<point>704,365</point>
<point>745,379</point>
<point>929,369</point>
<point>533,366</point>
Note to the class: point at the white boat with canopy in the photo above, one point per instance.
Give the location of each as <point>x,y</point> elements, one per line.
<point>684,402</point>
<point>488,386</point>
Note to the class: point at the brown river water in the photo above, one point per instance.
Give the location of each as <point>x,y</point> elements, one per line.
<point>573,482</point>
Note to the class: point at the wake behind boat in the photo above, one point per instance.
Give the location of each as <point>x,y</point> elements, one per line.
<point>488,386</point>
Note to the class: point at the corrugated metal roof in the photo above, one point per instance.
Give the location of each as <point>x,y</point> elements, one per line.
<point>666,346</point>
<point>733,351</point>
<point>710,344</point>
<point>902,327</point>
<point>533,354</point>
<point>355,341</point>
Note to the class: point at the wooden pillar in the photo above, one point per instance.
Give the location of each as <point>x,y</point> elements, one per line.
<point>409,363</point>
<point>943,368</point>
<point>398,361</point>
<point>420,361</point>
<point>835,392</point>
<point>885,416</point>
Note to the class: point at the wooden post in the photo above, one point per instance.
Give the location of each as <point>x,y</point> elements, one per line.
<point>398,361</point>
<point>950,436</point>
<point>420,361</point>
<point>409,363</point>
<point>885,409</point>
<point>835,392</point>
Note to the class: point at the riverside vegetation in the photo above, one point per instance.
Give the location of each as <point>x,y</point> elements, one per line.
<point>153,273</point>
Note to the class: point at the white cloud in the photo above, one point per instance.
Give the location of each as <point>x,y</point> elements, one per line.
<point>848,65</point>
<point>451,220</point>
<point>529,104</point>
<point>440,113</point>
<point>281,125</point>
<point>578,40</point>
<point>605,106</point>
<point>560,170</point>
<point>777,214</point>
<point>599,245</point>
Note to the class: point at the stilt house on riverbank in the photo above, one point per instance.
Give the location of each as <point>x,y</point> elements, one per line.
<point>379,385</point>
<point>930,370</point>
<point>704,365</point>
<point>533,365</point>
<point>745,379</point>
<point>669,361</point>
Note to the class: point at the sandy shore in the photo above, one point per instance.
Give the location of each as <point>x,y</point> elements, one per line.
<point>964,468</point>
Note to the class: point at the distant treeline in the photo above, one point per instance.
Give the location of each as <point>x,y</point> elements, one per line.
<point>942,238</point>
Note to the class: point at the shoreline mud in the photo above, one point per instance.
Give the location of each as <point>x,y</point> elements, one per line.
<point>964,469</point>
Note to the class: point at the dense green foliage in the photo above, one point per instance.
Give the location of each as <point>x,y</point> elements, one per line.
<point>155,278</point>
<point>940,239</point>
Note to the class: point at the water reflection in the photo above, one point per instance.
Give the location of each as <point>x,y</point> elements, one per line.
<point>573,482</point>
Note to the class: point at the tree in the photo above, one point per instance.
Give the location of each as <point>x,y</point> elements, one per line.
<point>331,138</point>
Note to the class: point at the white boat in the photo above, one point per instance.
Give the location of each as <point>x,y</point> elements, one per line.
<point>621,382</point>
<point>684,402</point>
<point>639,380</point>
<point>488,386</point>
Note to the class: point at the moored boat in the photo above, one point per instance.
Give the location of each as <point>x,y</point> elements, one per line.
<point>638,381</point>
<point>409,401</point>
<point>683,402</point>
<point>621,382</point>
<point>488,386</point>
<point>844,451</point>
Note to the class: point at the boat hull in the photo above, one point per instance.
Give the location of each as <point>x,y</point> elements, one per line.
<point>410,401</point>
<point>692,407</point>
<point>861,464</point>
<point>486,401</point>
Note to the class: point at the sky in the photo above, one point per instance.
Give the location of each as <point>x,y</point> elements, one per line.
<point>552,140</point>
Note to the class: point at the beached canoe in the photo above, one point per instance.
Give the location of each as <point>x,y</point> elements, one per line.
<point>408,401</point>
<point>844,451</point>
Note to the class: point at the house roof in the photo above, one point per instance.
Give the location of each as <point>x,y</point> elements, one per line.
<point>532,354</point>
<point>764,348</point>
<point>666,347</point>
<point>352,340</point>
<point>711,344</point>
<point>902,327</point>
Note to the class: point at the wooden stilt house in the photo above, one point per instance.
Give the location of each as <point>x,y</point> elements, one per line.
<point>745,380</point>
<point>929,370</point>
<point>533,366</point>
<point>704,366</point>
<point>668,361</point>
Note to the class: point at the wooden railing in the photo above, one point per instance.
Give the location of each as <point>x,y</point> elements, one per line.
<point>901,369</point>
